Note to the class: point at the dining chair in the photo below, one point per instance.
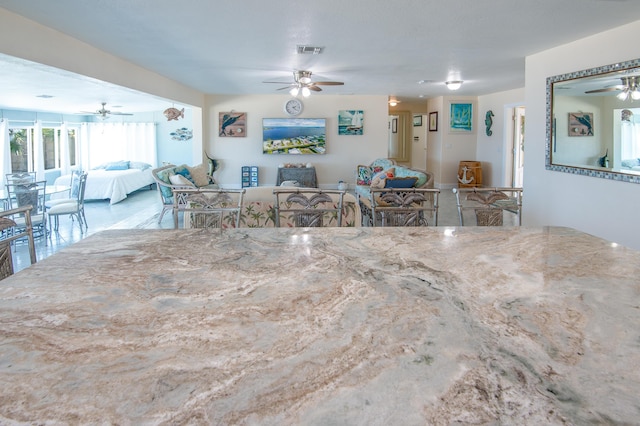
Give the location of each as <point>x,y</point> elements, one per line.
<point>208,208</point>
<point>71,194</point>
<point>20,177</point>
<point>11,232</point>
<point>74,207</point>
<point>308,207</point>
<point>29,194</point>
<point>403,206</point>
<point>479,206</point>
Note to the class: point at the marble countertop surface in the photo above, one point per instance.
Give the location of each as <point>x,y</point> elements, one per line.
<point>370,326</point>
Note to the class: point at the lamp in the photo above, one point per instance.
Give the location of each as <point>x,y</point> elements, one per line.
<point>294,91</point>
<point>630,89</point>
<point>393,102</point>
<point>306,92</point>
<point>453,85</point>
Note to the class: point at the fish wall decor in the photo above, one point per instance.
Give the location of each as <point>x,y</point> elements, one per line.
<point>173,113</point>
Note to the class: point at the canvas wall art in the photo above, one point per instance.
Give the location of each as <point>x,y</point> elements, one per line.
<point>350,122</point>
<point>233,124</point>
<point>461,117</point>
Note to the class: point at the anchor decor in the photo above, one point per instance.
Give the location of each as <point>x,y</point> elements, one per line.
<point>465,180</point>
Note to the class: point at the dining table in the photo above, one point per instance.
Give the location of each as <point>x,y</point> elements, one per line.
<point>325,326</point>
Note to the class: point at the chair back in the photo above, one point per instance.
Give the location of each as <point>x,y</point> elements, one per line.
<point>403,206</point>
<point>33,195</point>
<point>20,177</point>
<point>489,206</point>
<point>309,207</point>
<point>11,231</point>
<point>208,208</point>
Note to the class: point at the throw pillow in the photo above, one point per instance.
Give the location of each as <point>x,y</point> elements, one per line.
<point>180,180</point>
<point>379,180</point>
<point>199,175</point>
<point>117,165</point>
<point>365,174</point>
<point>405,182</point>
<point>184,171</point>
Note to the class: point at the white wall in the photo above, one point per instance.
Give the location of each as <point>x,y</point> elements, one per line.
<point>605,208</point>
<point>493,150</point>
<point>343,154</point>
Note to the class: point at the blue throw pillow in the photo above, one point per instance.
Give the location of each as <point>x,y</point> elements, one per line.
<point>406,182</point>
<point>117,165</point>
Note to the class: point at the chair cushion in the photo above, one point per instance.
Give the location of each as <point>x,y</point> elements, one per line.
<point>51,203</point>
<point>64,208</point>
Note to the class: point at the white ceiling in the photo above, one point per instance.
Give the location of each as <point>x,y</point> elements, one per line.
<point>376,47</point>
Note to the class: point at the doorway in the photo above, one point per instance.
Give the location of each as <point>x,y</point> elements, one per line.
<point>514,166</point>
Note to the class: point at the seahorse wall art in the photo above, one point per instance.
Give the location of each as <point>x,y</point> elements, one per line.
<point>488,121</point>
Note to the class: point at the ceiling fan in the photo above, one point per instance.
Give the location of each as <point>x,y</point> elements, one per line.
<point>628,88</point>
<point>302,83</point>
<point>105,113</point>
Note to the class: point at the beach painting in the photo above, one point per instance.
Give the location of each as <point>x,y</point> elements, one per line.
<point>294,135</point>
<point>350,122</point>
<point>461,117</point>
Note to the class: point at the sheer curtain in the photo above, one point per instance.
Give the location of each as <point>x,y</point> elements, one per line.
<point>5,154</point>
<point>104,142</point>
<point>630,136</point>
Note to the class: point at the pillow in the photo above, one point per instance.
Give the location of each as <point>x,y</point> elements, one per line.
<point>405,182</point>
<point>117,165</point>
<point>180,180</point>
<point>365,173</point>
<point>378,181</point>
<point>184,171</point>
<point>139,165</point>
<point>199,175</point>
<point>631,163</point>
<point>165,176</point>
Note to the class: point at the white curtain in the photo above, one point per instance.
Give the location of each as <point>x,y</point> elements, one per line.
<point>104,142</point>
<point>5,154</point>
<point>630,136</point>
<point>65,162</point>
<point>38,150</point>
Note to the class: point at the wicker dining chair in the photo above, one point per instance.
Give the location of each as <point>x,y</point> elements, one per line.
<point>11,232</point>
<point>480,206</point>
<point>309,207</point>
<point>208,208</point>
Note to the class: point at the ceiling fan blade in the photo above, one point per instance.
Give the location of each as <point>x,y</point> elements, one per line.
<point>607,89</point>
<point>118,113</point>
<point>286,87</point>
<point>314,88</point>
<point>328,83</point>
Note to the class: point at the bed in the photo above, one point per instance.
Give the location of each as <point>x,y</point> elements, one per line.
<point>114,181</point>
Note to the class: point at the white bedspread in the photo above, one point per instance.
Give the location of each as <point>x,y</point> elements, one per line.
<point>112,184</point>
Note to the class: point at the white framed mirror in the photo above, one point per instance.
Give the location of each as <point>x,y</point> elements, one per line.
<point>593,122</point>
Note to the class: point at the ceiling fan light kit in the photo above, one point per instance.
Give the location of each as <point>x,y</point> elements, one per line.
<point>302,83</point>
<point>454,84</point>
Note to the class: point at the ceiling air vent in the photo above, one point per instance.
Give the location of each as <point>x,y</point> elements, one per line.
<point>309,50</point>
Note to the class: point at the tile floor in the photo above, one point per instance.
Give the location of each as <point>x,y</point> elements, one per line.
<point>140,210</point>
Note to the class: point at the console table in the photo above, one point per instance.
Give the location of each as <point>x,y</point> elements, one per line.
<point>280,326</point>
<point>305,176</point>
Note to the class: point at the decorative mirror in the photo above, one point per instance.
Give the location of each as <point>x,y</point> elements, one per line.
<point>593,122</point>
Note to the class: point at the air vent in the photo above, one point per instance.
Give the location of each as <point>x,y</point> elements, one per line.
<point>309,50</point>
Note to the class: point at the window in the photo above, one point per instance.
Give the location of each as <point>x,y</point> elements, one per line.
<point>23,155</point>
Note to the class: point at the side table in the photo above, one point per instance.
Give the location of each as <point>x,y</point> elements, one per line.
<point>305,176</point>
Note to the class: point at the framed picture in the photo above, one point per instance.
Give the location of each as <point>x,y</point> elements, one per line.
<point>580,124</point>
<point>461,117</point>
<point>233,124</point>
<point>394,125</point>
<point>417,121</point>
<point>350,122</point>
<point>433,121</point>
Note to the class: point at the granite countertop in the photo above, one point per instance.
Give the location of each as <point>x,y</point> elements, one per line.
<point>407,326</point>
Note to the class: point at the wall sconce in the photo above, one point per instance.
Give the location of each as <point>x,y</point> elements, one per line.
<point>453,85</point>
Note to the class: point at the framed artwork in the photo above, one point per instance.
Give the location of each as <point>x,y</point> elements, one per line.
<point>417,121</point>
<point>580,124</point>
<point>350,122</point>
<point>233,124</point>
<point>433,121</point>
<point>461,117</point>
<point>394,125</point>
